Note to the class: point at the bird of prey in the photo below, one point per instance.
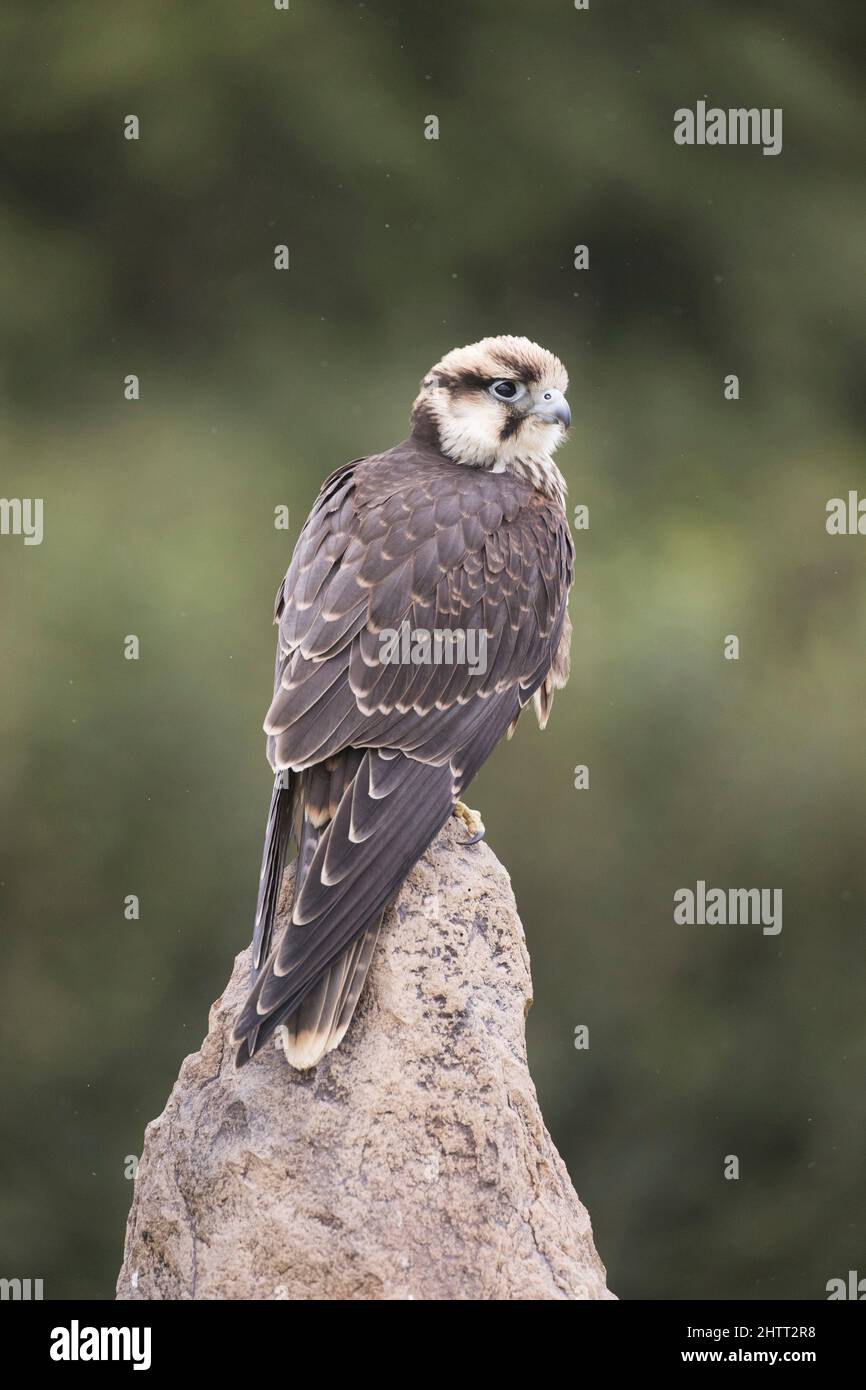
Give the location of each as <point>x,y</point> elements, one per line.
<point>462,527</point>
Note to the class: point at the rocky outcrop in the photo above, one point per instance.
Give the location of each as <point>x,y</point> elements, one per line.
<point>412,1163</point>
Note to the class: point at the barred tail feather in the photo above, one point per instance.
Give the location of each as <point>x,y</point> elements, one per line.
<point>319,1024</point>
<point>364,817</point>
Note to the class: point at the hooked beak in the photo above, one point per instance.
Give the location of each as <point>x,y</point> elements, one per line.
<point>552,406</point>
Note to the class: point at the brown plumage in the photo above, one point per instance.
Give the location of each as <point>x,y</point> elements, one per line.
<point>460,527</point>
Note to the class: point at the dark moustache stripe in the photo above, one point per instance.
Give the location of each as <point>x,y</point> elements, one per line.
<point>512,425</point>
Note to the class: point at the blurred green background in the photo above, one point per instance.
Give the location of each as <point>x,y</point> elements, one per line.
<point>707,518</point>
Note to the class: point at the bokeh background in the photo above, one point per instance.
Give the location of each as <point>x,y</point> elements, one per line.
<point>707,517</point>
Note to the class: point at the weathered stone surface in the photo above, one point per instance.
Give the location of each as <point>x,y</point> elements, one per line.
<point>413,1162</point>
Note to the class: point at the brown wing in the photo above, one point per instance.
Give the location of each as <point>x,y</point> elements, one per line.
<point>405,537</point>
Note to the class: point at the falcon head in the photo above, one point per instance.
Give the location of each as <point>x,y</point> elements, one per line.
<point>498,404</point>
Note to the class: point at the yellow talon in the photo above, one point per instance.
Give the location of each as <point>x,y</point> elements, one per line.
<point>472,820</point>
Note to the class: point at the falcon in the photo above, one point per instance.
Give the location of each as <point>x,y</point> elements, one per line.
<point>462,527</point>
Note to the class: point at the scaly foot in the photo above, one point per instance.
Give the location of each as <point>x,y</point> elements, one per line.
<point>473,822</point>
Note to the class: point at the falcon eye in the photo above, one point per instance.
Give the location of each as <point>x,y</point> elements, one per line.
<point>506,390</point>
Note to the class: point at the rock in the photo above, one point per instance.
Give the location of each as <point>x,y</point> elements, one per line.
<point>413,1162</point>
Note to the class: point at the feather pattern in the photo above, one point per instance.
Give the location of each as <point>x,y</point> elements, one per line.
<point>371,753</point>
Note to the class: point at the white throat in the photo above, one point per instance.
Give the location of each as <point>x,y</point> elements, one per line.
<point>464,439</point>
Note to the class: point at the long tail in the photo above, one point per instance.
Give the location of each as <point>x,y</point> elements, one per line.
<point>362,819</point>
<point>319,1024</point>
